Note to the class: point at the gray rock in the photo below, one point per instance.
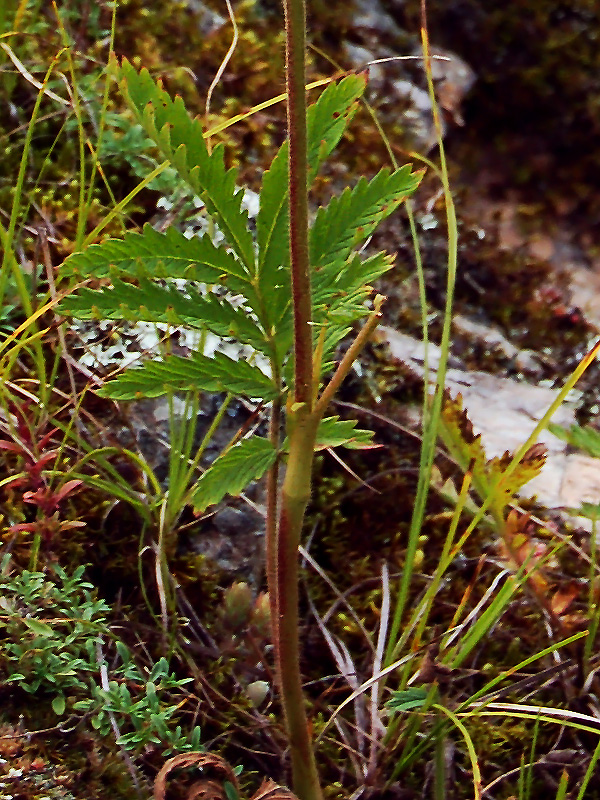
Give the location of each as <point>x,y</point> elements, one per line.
<point>208,21</point>
<point>371,15</point>
<point>359,57</point>
<point>505,412</point>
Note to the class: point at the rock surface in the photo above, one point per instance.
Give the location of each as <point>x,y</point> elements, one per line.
<point>505,411</point>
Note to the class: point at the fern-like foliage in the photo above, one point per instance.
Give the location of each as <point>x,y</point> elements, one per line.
<point>181,140</point>
<point>336,432</point>
<point>326,121</point>
<point>352,217</point>
<point>151,302</point>
<point>239,290</point>
<point>151,254</point>
<point>197,373</point>
<point>233,470</point>
<point>340,279</point>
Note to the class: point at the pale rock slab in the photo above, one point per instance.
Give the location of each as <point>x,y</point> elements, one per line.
<point>505,412</point>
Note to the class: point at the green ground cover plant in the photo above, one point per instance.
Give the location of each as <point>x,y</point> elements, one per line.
<point>57,642</point>
<point>294,293</point>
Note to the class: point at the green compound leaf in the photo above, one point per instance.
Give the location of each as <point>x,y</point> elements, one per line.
<point>151,302</point>
<point>336,432</point>
<point>340,292</point>
<point>346,285</point>
<point>353,216</point>
<point>339,295</point>
<point>326,121</point>
<point>328,118</point>
<point>181,140</point>
<point>233,471</point>
<point>272,225</point>
<point>198,372</point>
<point>151,254</point>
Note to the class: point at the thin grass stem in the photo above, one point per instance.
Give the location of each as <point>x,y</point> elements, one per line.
<point>431,419</point>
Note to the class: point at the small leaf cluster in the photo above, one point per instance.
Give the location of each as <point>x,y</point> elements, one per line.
<point>143,718</point>
<point>50,628</point>
<point>235,283</point>
<point>55,634</point>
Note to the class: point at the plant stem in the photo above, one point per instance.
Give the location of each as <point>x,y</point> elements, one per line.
<point>432,406</point>
<point>350,357</point>
<point>302,425</point>
<point>271,519</point>
<point>295,23</point>
<point>304,413</point>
